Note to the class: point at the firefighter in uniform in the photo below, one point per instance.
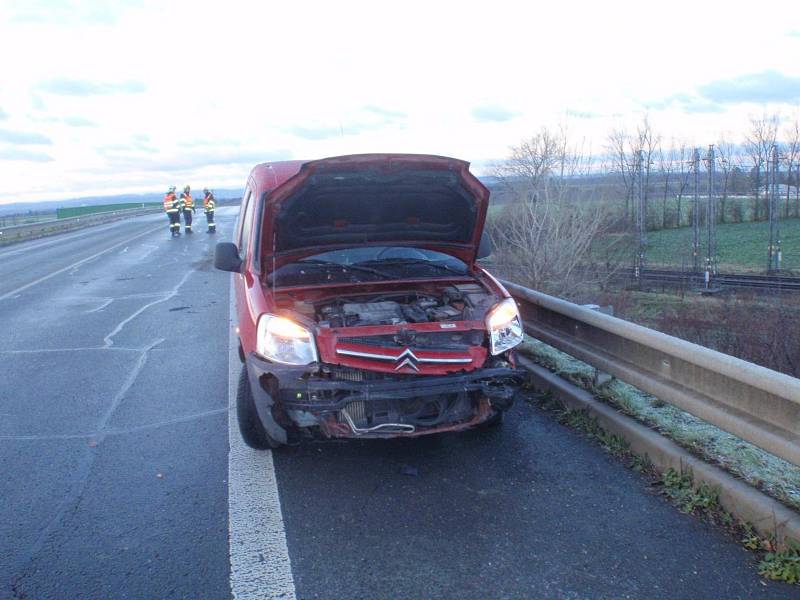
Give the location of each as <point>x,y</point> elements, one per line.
<point>172,207</point>
<point>187,208</point>
<point>208,207</point>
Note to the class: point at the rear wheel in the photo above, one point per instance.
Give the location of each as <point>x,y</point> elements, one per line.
<point>250,425</point>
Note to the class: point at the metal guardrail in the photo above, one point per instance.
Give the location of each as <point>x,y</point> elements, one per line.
<point>756,404</point>
<point>18,233</point>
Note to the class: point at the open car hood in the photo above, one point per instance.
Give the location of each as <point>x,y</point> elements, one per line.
<point>431,202</point>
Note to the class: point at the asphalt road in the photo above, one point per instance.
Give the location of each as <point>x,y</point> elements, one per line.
<point>118,480</point>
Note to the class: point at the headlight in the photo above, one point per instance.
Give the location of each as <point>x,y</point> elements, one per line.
<point>504,326</point>
<point>284,341</point>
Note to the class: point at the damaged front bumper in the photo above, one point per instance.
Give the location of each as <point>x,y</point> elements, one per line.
<point>340,402</point>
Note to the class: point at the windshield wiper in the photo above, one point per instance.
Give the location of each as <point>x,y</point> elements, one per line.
<point>315,262</point>
<point>412,261</point>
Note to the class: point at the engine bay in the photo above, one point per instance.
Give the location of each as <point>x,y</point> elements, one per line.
<point>453,303</point>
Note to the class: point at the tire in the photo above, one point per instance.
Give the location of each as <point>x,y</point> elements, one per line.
<point>250,425</point>
<point>496,420</point>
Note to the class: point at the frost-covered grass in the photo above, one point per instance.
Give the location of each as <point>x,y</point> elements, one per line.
<point>769,473</point>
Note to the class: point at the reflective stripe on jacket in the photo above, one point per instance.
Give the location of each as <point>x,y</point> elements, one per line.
<point>208,203</point>
<point>170,202</point>
<point>188,201</point>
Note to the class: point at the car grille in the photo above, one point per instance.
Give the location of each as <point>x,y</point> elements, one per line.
<point>438,340</point>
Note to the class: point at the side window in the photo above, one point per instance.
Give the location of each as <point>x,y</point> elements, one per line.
<point>247,220</point>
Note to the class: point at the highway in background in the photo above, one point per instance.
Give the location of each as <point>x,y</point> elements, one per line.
<point>119,481</point>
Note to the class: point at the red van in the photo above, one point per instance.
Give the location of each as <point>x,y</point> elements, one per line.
<point>362,311</point>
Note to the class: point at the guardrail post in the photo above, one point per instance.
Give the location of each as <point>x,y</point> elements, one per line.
<point>601,377</point>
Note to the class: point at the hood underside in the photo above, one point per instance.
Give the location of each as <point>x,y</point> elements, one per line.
<point>375,199</point>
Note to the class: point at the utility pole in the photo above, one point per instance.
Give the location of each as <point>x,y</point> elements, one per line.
<point>696,211</point>
<point>711,221</point>
<point>641,217</point>
<point>774,249</point>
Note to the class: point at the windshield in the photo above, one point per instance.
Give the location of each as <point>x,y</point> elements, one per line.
<point>368,263</point>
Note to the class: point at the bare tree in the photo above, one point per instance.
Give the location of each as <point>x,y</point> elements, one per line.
<point>647,142</point>
<point>620,163</point>
<point>725,151</point>
<point>545,238</point>
<point>757,143</point>
<point>792,153</point>
<point>666,167</point>
<point>684,173</point>
<point>623,149</point>
<point>532,162</point>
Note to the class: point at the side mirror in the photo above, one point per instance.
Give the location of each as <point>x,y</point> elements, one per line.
<point>226,257</point>
<point>486,247</point>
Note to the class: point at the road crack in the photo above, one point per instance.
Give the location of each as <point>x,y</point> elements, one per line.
<point>107,340</point>
<point>71,501</point>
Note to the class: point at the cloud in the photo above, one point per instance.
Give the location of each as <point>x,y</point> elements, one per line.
<point>61,12</point>
<point>3,115</point>
<point>316,133</point>
<point>37,103</point>
<point>63,86</point>
<point>23,137</point>
<point>27,155</point>
<point>388,114</point>
<point>688,103</point>
<point>189,160</point>
<point>702,106</point>
<point>137,146</point>
<point>767,86</point>
<point>369,117</point>
<point>79,122</point>
<point>582,114</point>
<point>492,113</point>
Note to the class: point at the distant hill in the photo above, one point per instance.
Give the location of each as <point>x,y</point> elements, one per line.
<point>51,205</point>
<point>222,194</point>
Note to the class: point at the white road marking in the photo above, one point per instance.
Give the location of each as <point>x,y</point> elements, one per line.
<point>260,564</point>
<point>76,264</point>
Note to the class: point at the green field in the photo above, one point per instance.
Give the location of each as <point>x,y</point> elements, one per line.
<point>741,246</point>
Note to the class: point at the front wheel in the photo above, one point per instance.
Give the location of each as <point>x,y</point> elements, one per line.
<point>495,420</point>
<point>250,425</point>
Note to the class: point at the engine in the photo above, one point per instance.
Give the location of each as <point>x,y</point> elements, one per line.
<point>454,303</point>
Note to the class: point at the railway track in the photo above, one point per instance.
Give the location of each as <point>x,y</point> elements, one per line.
<point>736,280</point>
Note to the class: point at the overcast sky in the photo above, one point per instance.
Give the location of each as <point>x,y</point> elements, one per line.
<point>115,96</point>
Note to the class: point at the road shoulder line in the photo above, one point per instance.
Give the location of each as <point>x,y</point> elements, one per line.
<point>259,555</point>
